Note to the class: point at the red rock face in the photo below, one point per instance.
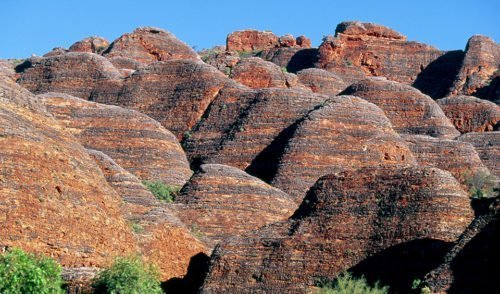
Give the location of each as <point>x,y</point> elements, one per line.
<point>261,122</point>
<point>135,141</point>
<point>410,111</point>
<point>344,218</point>
<point>84,75</point>
<point>321,81</point>
<point>176,92</point>
<point>147,45</point>
<point>257,73</point>
<point>470,114</point>
<point>345,132</point>
<point>162,239</point>
<point>90,45</point>
<point>365,49</point>
<point>479,66</point>
<point>50,186</point>
<point>221,201</point>
<point>459,158</point>
<point>486,145</point>
<point>251,40</point>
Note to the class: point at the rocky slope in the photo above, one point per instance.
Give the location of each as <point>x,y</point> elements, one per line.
<point>374,136</point>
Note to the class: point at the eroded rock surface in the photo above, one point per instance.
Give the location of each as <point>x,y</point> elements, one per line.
<point>148,44</point>
<point>257,73</point>
<point>410,111</point>
<point>366,49</point>
<point>471,114</point>
<point>321,81</point>
<point>487,146</point>
<point>135,141</point>
<point>50,187</point>
<point>345,132</point>
<point>221,201</point>
<point>343,219</point>
<point>90,45</point>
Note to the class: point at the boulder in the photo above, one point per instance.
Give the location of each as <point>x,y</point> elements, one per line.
<point>90,45</point>
<point>221,201</point>
<point>471,114</point>
<point>344,132</point>
<point>366,49</point>
<point>135,141</point>
<point>257,73</point>
<point>321,81</point>
<point>480,65</point>
<point>410,111</point>
<point>344,218</point>
<point>84,75</point>
<point>147,45</point>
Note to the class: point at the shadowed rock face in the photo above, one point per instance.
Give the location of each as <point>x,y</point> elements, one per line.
<point>347,132</point>
<point>321,81</point>
<point>410,111</point>
<point>50,186</point>
<point>344,218</point>
<point>257,73</point>
<point>459,158</point>
<point>481,62</point>
<point>147,45</point>
<point>365,49</point>
<point>90,45</point>
<point>470,114</point>
<point>487,146</point>
<point>176,92</point>
<point>261,122</point>
<point>135,141</point>
<point>221,201</point>
<point>84,75</point>
<point>161,236</point>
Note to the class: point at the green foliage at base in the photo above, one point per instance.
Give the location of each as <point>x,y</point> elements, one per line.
<point>347,284</point>
<point>481,184</point>
<point>162,191</point>
<point>22,272</point>
<point>128,275</point>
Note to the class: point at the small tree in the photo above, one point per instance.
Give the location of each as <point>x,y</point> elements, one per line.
<point>162,191</point>
<point>22,272</point>
<point>347,284</point>
<point>128,275</point>
<point>481,184</point>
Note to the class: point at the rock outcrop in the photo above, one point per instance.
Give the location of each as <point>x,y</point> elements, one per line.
<point>480,65</point>
<point>365,49</point>
<point>84,75</point>
<point>261,122</point>
<point>251,40</point>
<point>410,111</point>
<point>176,93</point>
<point>90,45</point>
<point>459,158</point>
<point>487,146</point>
<point>135,141</point>
<point>257,73</point>
<point>221,201</point>
<point>471,114</point>
<point>321,81</point>
<point>343,219</point>
<point>161,237</point>
<point>147,45</point>
<point>51,187</point>
<point>345,132</point>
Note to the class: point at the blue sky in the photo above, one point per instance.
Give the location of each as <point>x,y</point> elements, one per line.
<point>35,27</point>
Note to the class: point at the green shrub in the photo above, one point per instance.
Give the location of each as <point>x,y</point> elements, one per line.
<point>136,227</point>
<point>347,284</point>
<point>481,184</point>
<point>22,272</point>
<point>128,275</point>
<point>162,191</point>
